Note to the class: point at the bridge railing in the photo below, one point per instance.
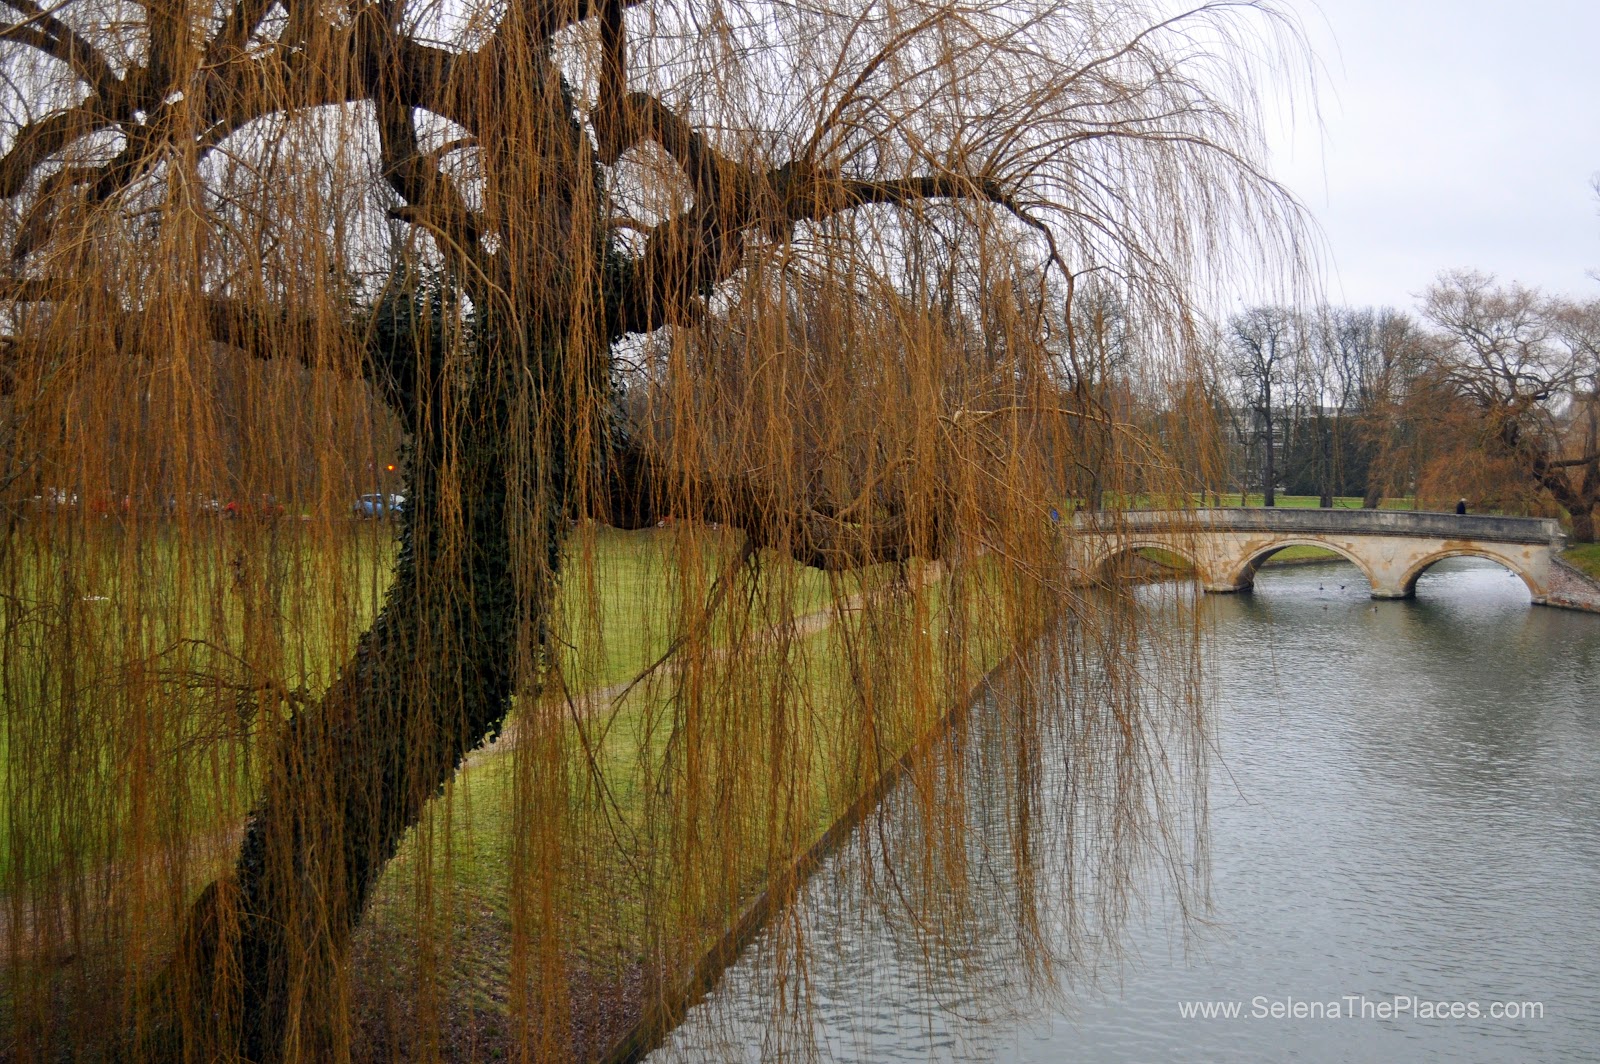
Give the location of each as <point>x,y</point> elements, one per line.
<point>1487,527</point>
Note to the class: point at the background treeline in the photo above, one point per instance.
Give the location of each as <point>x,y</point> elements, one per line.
<point>1487,391</point>
<point>1490,392</point>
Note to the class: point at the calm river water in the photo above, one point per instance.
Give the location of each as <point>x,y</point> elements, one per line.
<point>1405,804</point>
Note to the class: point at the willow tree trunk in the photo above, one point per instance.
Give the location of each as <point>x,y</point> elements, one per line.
<point>1587,494</point>
<point>262,972</point>
<point>1269,486</point>
<point>1583,526</point>
<point>429,681</point>
<point>1579,501</point>
<point>1574,483</point>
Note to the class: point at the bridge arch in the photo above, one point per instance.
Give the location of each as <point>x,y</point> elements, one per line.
<point>1504,559</point>
<point>1390,548</point>
<point>1243,571</point>
<point>1129,547</point>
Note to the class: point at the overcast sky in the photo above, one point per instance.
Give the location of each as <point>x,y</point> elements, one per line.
<point>1455,133</point>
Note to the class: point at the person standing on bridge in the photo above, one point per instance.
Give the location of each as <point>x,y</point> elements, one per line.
<point>1461,506</point>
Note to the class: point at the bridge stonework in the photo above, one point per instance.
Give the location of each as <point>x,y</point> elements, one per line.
<point>1391,547</point>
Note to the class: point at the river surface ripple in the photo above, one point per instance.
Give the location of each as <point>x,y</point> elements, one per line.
<point>1405,804</point>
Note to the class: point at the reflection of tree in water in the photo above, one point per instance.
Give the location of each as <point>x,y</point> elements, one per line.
<point>995,881</point>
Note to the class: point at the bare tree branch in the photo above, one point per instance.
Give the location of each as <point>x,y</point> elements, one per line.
<point>42,30</point>
<point>686,256</point>
<point>807,532</point>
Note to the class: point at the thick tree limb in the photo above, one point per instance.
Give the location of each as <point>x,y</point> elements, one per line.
<point>244,18</point>
<point>640,497</point>
<point>610,117</point>
<point>267,333</point>
<point>37,141</point>
<point>34,289</point>
<point>380,64</point>
<point>1568,463</point>
<point>263,332</point>
<point>686,256</point>
<point>550,17</point>
<point>42,30</point>
<point>432,200</point>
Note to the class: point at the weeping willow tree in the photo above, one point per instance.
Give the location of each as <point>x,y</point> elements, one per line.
<point>792,280</point>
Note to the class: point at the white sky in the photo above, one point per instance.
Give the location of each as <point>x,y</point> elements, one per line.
<point>1455,133</point>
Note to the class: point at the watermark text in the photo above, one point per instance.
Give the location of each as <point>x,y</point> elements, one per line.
<point>1360,1007</point>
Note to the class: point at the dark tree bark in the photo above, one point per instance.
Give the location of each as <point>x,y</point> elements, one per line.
<point>1260,350</point>
<point>1575,486</point>
<point>1583,526</point>
<point>430,681</point>
<point>1269,486</point>
<point>433,678</point>
<point>527,241</point>
<point>1325,447</point>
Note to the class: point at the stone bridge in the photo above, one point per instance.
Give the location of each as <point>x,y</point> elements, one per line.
<point>1392,547</point>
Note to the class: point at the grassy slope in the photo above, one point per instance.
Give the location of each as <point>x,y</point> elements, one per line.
<point>1255,499</point>
<point>180,649</point>
<point>1312,502</point>
<point>1287,555</point>
<point>1585,556</point>
<point>225,611</point>
<point>607,928</point>
<point>619,599</point>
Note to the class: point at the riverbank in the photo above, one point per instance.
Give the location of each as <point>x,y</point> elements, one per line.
<point>1154,564</point>
<point>1584,557</point>
<point>1402,801</point>
<point>1573,585</point>
<point>658,1022</point>
<point>439,971</point>
<point>636,931</point>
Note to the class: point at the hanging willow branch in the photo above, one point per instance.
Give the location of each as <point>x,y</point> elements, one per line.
<point>794,282</point>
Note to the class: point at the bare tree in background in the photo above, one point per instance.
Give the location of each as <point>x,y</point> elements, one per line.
<point>1261,360</point>
<point>274,179</point>
<point>1390,357</point>
<point>1095,360</point>
<point>1369,356</point>
<point>1527,365</point>
<point>1573,476</point>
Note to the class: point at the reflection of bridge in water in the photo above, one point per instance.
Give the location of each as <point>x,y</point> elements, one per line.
<point>1392,547</point>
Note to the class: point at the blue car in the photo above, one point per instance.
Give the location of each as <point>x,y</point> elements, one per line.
<point>375,507</point>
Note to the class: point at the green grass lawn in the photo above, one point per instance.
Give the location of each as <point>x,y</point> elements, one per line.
<point>183,648</point>
<point>1298,554</point>
<point>1585,556</point>
<point>1306,502</point>
<point>687,892</point>
<point>623,593</point>
<point>184,631</point>
<point>1234,499</point>
<point>138,672</point>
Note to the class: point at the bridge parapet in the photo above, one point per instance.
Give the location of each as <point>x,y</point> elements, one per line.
<point>1391,547</point>
<point>1422,523</point>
